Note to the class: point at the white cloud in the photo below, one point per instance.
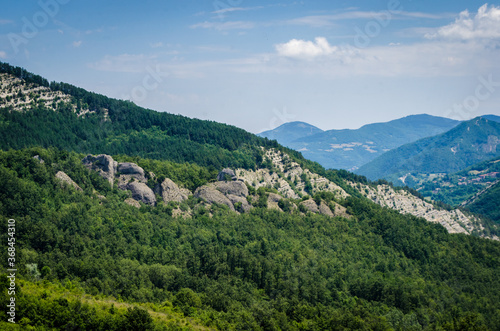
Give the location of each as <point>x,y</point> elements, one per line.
<point>303,49</point>
<point>77,44</point>
<point>3,55</point>
<point>484,25</point>
<point>222,26</point>
<point>157,45</point>
<point>232,9</point>
<point>4,22</point>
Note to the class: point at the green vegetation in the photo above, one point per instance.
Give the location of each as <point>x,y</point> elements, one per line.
<point>455,150</point>
<point>487,204</point>
<point>268,270</point>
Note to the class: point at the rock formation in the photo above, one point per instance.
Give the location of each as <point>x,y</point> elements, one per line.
<point>235,188</point>
<point>171,192</point>
<point>226,174</point>
<point>211,195</point>
<point>142,192</point>
<point>64,178</point>
<point>103,164</point>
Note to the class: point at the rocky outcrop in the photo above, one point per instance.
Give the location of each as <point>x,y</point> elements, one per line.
<point>324,209</point>
<point>272,201</point>
<point>340,210</point>
<point>103,164</point>
<point>133,203</point>
<point>64,178</point>
<point>237,200</point>
<point>141,192</point>
<point>129,172</point>
<point>235,188</point>
<point>211,195</point>
<point>226,174</point>
<point>171,192</point>
<point>310,205</point>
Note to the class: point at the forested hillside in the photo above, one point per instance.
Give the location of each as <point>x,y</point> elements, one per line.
<point>155,236</point>
<point>266,269</point>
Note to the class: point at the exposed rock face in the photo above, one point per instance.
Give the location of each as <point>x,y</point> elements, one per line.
<point>128,168</point>
<point>133,203</point>
<point>211,195</point>
<point>226,173</point>
<point>340,211</point>
<point>142,192</point>
<point>103,164</point>
<point>324,209</point>
<point>171,192</point>
<point>63,177</point>
<point>245,206</point>
<point>130,172</point>
<point>272,201</point>
<point>310,205</point>
<point>235,188</point>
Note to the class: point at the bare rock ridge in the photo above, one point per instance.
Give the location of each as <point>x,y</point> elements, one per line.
<point>64,178</point>
<point>226,174</point>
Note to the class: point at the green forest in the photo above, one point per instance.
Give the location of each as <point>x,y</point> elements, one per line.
<point>262,270</point>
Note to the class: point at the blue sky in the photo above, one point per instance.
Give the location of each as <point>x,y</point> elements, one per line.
<point>258,64</point>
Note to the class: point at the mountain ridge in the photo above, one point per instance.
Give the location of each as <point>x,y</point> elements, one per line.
<point>349,149</point>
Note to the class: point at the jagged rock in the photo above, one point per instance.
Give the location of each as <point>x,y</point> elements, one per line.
<point>324,209</point>
<point>235,188</point>
<point>171,192</point>
<point>103,164</point>
<point>133,203</point>
<point>64,178</point>
<point>39,159</point>
<point>225,173</point>
<point>142,192</point>
<point>211,195</point>
<point>310,205</point>
<point>245,206</point>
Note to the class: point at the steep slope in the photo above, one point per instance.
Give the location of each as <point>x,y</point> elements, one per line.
<point>34,112</point>
<point>375,269</point>
<point>289,132</point>
<point>350,149</point>
<point>457,188</point>
<point>468,143</point>
<point>486,203</point>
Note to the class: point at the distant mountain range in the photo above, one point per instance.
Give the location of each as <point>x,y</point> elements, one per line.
<point>350,149</point>
<point>466,144</point>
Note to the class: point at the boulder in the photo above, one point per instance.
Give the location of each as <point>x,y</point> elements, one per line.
<point>310,205</point>
<point>245,206</point>
<point>211,195</point>
<point>171,192</point>
<point>226,173</point>
<point>324,209</point>
<point>64,178</point>
<point>103,164</point>
<point>129,172</point>
<point>142,192</point>
<point>235,188</point>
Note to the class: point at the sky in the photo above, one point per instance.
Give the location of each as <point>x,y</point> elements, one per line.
<point>258,64</point>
